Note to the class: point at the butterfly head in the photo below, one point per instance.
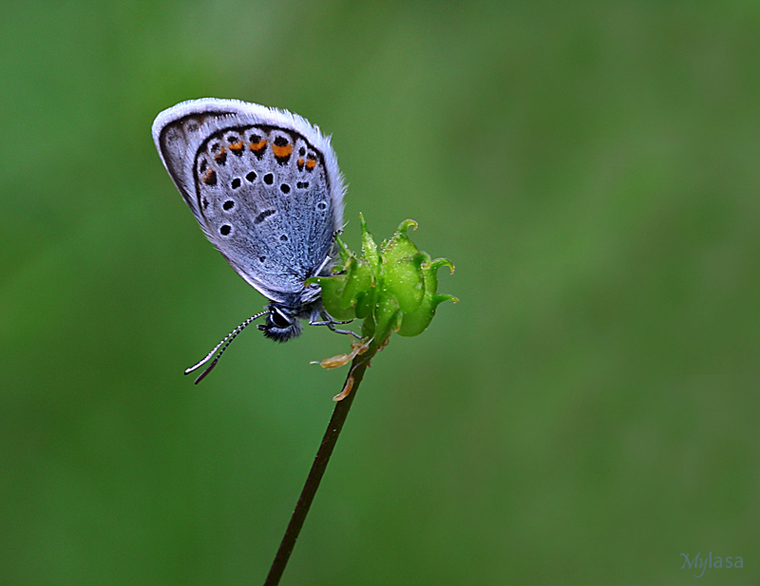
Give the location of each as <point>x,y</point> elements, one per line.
<point>282,323</point>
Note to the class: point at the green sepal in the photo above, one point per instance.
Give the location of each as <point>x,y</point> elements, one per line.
<point>369,248</point>
<point>359,285</point>
<point>402,263</point>
<point>333,289</point>
<point>414,323</point>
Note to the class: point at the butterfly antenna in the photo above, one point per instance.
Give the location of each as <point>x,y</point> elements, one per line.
<point>226,341</point>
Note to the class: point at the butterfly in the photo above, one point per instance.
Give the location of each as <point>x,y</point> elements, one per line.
<point>265,187</point>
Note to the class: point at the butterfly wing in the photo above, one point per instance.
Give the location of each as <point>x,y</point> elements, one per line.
<point>263,183</point>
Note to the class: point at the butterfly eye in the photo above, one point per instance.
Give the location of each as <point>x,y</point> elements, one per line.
<point>279,319</point>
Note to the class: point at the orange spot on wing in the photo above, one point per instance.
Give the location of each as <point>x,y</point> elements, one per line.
<point>299,162</point>
<point>237,147</point>
<point>209,177</point>
<point>257,146</point>
<point>310,164</point>
<point>282,151</point>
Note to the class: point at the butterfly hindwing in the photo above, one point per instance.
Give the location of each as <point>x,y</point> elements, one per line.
<point>263,184</point>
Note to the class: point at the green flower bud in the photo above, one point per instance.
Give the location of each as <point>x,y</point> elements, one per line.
<point>392,288</point>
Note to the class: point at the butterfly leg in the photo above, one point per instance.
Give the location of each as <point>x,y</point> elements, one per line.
<point>329,319</point>
<point>346,332</point>
<point>330,323</point>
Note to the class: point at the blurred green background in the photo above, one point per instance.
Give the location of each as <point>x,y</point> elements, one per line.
<point>587,413</point>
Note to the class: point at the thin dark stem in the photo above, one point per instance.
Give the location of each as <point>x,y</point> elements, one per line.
<point>358,366</point>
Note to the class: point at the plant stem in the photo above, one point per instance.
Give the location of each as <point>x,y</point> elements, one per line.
<point>358,366</point>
